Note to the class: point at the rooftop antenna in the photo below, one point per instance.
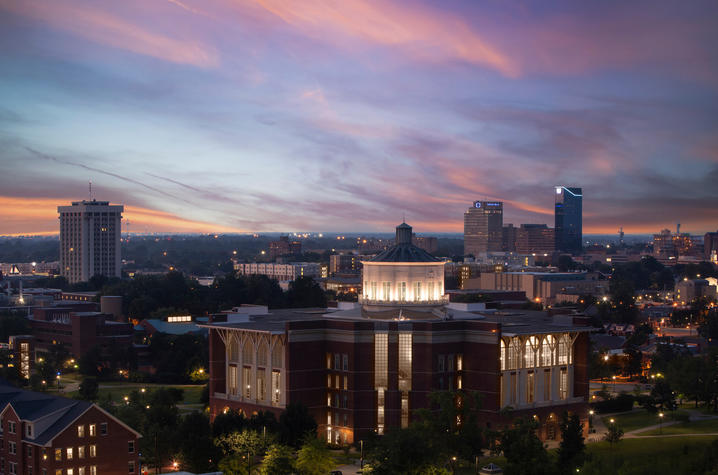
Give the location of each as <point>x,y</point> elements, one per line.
<point>403,218</point>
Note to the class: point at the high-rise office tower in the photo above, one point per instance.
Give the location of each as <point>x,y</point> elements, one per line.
<point>483,228</point>
<point>90,240</point>
<point>569,219</point>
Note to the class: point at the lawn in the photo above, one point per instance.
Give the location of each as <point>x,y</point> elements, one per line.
<point>697,427</point>
<point>633,420</point>
<point>117,391</point>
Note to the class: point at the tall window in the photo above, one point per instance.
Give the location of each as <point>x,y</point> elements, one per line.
<point>417,291</point>
<point>563,349</point>
<point>232,383</point>
<point>248,353</point>
<point>530,386</point>
<point>276,384</point>
<point>247,381</point>
<point>404,410</point>
<point>402,291</point>
<point>277,356</point>
<point>514,354</point>
<point>386,291</point>
<point>530,348</point>
<point>430,291</point>
<point>373,294</point>
<point>563,384</point>
<point>514,389</point>
<point>261,388</point>
<point>546,350</point>
<point>262,354</point>
<point>381,347</point>
<point>405,342</point>
<point>547,385</point>
<point>502,355</point>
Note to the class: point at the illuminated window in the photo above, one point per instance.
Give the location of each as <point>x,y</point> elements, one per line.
<point>405,342</point>
<point>381,344</point>
<point>417,291</point>
<point>81,431</point>
<point>261,389</point>
<point>564,344</point>
<point>459,362</point>
<point>81,452</point>
<point>563,384</point>
<point>502,353</point>
<point>58,455</point>
<point>386,291</point>
<point>329,380</point>
<point>514,357</point>
<point>373,294</point>
<point>246,378</point>
<point>69,453</point>
<point>232,379</point>
<point>530,352</point>
<point>404,410</point>
<point>530,387</point>
<point>430,291</point>
<point>93,450</point>
<point>402,291</point>
<point>546,351</point>
<point>276,384</point>
<point>93,430</point>
<point>346,382</point>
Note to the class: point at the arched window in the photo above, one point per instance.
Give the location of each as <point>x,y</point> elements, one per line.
<point>233,350</point>
<point>514,354</point>
<point>530,348</point>
<point>564,347</point>
<point>546,349</point>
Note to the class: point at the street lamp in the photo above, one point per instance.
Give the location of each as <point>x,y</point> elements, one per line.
<point>614,382</point>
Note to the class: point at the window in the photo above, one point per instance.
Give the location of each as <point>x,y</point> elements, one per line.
<point>29,451</point>
<point>246,378</point>
<point>530,384</point>
<point>81,452</point>
<point>103,428</point>
<point>417,291</point>
<point>547,385</point>
<point>28,430</point>
<point>404,410</point>
<point>402,291</point>
<point>70,471</point>
<point>563,384</point>
<point>502,352</point>
<point>233,376</point>
<point>69,453</point>
<point>546,351</point>
<point>441,364</point>
<point>11,427</point>
<point>336,381</point>
<point>329,361</point>
<point>459,363</point>
<point>329,380</point>
<point>93,430</point>
<point>514,356</point>
<point>530,352</point>
<point>346,383</point>
<point>93,450</point>
<point>130,467</point>
<point>81,431</point>
<point>58,455</point>
<point>81,471</point>
<point>12,448</point>
<point>13,468</point>
<point>405,347</point>
<point>93,470</point>
<point>345,362</point>
<point>450,363</point>
<point>58,471</point>
<point>345,401</point>
<point>276,383</point>
<point>514,388</point>
<point>131,446</point>
<point>386,291</point>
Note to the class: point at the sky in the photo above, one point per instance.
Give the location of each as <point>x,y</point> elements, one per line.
<point>269,115</point>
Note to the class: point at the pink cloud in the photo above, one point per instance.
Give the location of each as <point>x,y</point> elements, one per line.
<point>423,33</point>
<point>101,27</point>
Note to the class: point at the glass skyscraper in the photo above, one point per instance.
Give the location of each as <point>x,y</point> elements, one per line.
<point>569,219</point>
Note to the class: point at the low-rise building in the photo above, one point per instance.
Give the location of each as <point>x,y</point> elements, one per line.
<point>43,434</point>
<point>280,272</point>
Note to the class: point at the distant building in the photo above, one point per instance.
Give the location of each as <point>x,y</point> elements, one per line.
<point>78,331</point>
<point>483,228</point>
<point>427,243</point>
<point>43,434</point>
<point>691,289</point>
<point>345,263</point>
<point>283,247</point>
<point>669,248</point>
<point>280,272</point>
<point>543,286</point>
<point>710,247</point>
<point>534,238</point>
<point>568,214</point>
<point>508,238</point>
<point>90,240</point>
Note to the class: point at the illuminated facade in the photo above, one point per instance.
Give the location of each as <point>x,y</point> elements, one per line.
<point>90,240</point>
<point>369,368</point>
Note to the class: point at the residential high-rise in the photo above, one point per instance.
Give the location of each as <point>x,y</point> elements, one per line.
<point>569,219</point>
<point>90,240</point>
<point>483,228</point>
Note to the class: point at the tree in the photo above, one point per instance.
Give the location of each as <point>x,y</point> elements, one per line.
<point>410,451</point>
<point>277,461</point>
<point>197,451</point>
<point>305,292</point>
<point>89,389</point>
<point>295,423</point>
<point>314,458</point>
<point>572,447</point>
<point>614,434</point>
<point>524,451</point>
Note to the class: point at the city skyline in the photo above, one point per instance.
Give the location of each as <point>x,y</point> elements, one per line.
<point>223,116</point>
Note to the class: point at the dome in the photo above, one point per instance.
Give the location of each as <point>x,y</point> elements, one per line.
<point>404,250</point>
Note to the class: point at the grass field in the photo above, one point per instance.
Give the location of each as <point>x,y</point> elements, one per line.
<point>117,391</point>
<point>636,419</point>
<point>697,427</point>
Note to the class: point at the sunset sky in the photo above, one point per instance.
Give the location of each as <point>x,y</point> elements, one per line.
<point>269,115</point>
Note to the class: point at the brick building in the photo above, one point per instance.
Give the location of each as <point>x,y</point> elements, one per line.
<point>371,367</point>
<point>49,435</point>
<point>79,331</point>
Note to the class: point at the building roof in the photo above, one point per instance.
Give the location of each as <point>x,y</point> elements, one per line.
<point>174,328</point>
<point>404,253</point>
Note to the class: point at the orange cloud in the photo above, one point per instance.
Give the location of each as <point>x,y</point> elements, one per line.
<point>39,216</point>
<point>101,27</point>
<point>426,34</point>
